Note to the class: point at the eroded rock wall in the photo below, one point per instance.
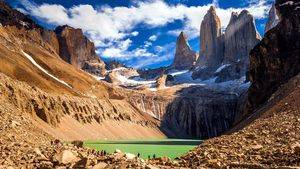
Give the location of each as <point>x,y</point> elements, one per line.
<point>276,58</point>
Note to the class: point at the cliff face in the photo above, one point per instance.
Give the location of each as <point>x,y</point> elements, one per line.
<point>276,58</point>
<point>185,58</point>
<point>228,52</point>
<point>273,19</point>
<point>79,51</point>
<point>240,37</point>
<point>210,37</point>
<point>201,113</point>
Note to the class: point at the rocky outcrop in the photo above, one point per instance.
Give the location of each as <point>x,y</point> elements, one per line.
<point>113,65</point>
<point>185,57</point>
<point>273,19</point>
<point>78,50</point>
<point>163,80</point>
<point>210,40</point>
<point>240,37</point>
<point>276,58</point>
<point>11,17</point>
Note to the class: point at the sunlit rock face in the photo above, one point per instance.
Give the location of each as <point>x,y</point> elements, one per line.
<point>210,40</point>
<point>225,55</point>
<point>185,57</point>
<point>273,19</point>
<point>78,50</point>
<point>240,37</point>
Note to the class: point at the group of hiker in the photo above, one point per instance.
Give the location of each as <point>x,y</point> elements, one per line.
<point>103,153</point>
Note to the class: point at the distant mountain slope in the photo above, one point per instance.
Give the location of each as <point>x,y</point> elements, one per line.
<point>61,99</point>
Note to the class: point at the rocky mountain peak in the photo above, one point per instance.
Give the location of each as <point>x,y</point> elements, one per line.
<point>240,37</point>
<point>210,33</point>
<point>233,18</point>
<point>185,57</point>
<point>273,19</point>
<point>76,49</point>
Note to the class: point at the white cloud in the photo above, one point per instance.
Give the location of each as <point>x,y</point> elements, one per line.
<point>135,33</point>
<point>153,38</point>
<point>109,27</point>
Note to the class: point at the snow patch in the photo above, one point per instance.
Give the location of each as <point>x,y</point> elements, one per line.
<point>221,68</point>
<point>98,77</point>
<point>43,70</point>
<point>287,3</point>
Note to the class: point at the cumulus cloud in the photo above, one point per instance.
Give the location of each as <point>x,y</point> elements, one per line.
<point>110,27</point>
<point>135,33</point>
<point>153,38</point>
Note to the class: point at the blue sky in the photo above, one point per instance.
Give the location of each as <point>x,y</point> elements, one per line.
<point>141,34</point>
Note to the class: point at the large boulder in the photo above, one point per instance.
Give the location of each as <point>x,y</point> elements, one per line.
<point>185,57</point>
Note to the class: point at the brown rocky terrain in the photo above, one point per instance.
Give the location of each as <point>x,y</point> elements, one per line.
<point>270,138</point>
<point>185,57</point>
<point>43,97</point>
<point>267,136</point>
<point>61,99</point>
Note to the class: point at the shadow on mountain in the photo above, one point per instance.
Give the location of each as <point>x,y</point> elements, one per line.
<point>201,112</point>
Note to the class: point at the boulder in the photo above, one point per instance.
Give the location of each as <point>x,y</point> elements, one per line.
<point>129,156</point>
<point>100,165</point>
<point>77,143</point>
<point>66,157</point>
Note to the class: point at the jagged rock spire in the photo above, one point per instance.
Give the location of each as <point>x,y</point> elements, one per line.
<point>240,37</point>
<point>210,33</point>
<point>185,57</point>
<point>273,19</point>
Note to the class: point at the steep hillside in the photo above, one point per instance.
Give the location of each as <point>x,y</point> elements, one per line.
<point>271,139</point>
<point>61,99</point>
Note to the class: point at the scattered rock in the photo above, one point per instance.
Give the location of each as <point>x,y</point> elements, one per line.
<point>67,157</point>
<point>100,165</point>
<point>130,156</point>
